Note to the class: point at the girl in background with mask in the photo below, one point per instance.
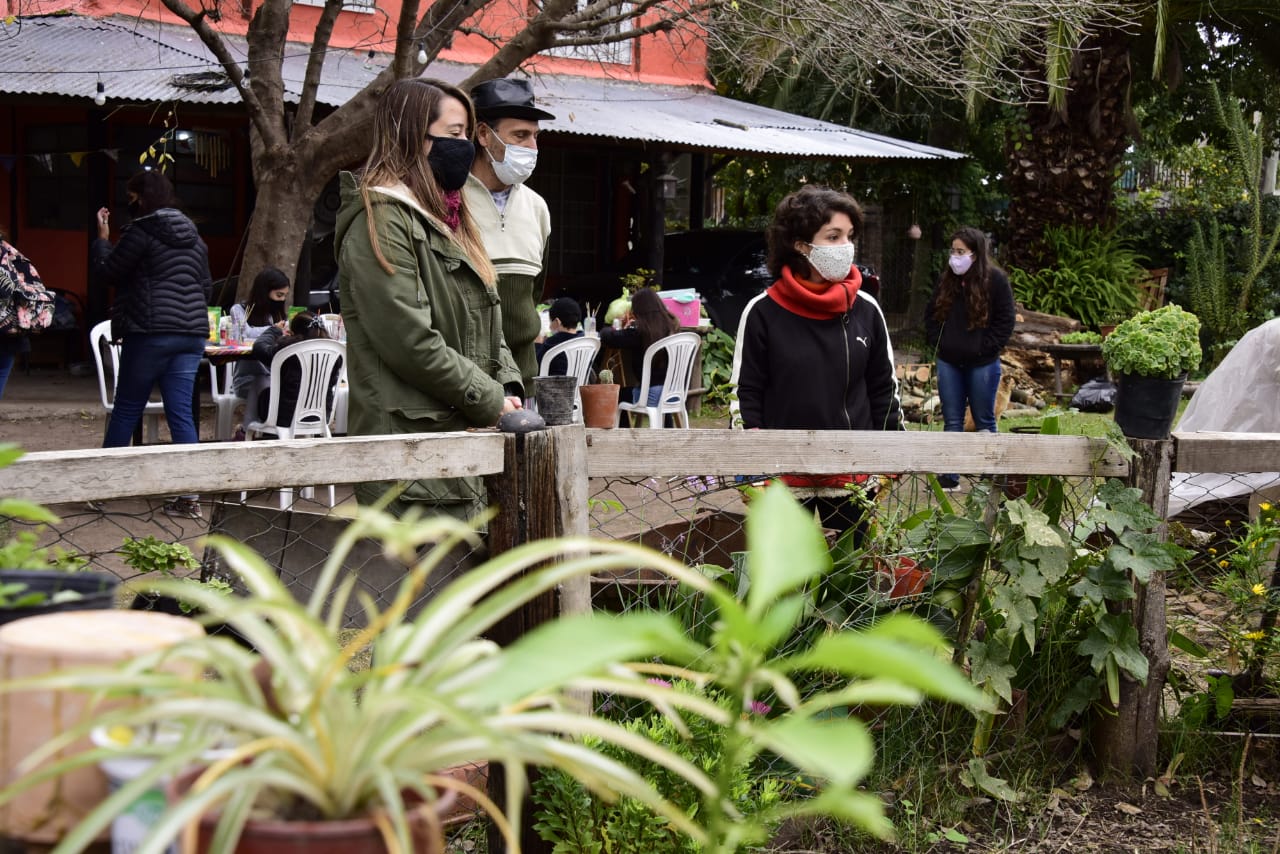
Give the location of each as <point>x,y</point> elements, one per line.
<point>268,305</point>
<point>813,350</point>
<point>425,351</point>
<point>969,320</point>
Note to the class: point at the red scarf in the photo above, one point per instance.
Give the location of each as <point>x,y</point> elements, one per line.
<point>814,301</point>
<point>453,209</point>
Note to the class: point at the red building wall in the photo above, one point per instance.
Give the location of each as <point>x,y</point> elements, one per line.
<point>677,58</point>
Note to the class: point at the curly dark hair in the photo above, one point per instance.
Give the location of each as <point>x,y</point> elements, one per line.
<point>798,218</point>
<point>976,284</point>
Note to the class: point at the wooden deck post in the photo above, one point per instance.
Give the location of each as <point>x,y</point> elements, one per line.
<point>1125,741</point>
<point>541,493</point>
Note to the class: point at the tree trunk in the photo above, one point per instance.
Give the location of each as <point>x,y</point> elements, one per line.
<point>286,193</point>
<point>1125,739</point>
<point>1062,166</point>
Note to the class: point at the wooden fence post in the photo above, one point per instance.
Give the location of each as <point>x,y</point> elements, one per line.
<point>1125,742</point>
<point>541,493</point>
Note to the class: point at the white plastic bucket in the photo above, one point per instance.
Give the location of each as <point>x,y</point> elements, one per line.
<point>135,822</point>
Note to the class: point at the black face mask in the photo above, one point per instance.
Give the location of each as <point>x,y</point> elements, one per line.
<point>134,208</point>
<point>450,160</point>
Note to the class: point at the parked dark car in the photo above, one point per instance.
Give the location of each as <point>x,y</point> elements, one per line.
<point>728,267</point>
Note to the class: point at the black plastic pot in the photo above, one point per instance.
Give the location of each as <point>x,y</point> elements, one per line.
<point>97,591</point>
<point>555,396</point>
<point>1146,406</point>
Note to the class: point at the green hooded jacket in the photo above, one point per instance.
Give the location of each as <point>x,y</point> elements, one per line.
<point>424,344</point>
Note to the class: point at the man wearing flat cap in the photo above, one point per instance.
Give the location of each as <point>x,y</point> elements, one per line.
<point>513,220</point>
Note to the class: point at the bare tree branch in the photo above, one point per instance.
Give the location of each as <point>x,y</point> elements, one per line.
<point>315,66</point>
<point>268,30</point>
<point>258,115</point>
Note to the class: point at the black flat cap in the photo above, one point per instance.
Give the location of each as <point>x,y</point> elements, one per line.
<point>506,98</point>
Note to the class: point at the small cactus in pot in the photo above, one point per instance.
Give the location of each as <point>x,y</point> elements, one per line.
<point>600,401</point>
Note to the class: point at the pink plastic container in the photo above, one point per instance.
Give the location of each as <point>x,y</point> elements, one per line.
<point>688,313</point>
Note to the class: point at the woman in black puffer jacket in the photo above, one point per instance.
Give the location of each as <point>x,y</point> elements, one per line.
<point>160,272</point>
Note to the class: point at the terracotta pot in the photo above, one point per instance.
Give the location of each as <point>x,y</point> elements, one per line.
<point>899,577</point>
<point>348,836</point>
<point>600,405</point>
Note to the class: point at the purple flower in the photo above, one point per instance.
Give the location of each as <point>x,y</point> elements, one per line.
<point>661,683</point>
<point>758,708</point>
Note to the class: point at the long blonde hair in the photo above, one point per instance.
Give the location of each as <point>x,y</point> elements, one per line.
<point>399,156</point>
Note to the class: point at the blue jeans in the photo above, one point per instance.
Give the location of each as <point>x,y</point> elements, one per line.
<point>655,395</point>
<point>6,365</point>
<point>974,388</point>
<point>168,360</point>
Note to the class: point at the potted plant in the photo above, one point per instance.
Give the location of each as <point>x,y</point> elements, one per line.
<point>317,742</point>
<point>600,401</point>
<point>36,579</point>
<point>153,557</point>
<point>1150,356</point>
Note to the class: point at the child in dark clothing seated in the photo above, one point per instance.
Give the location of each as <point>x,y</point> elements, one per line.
<point>305,326</point>
<point>565,317</point>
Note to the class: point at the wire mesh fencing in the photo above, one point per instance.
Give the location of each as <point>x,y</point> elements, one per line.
<point>131,540</point>
<point>946,556</point>
<point>1224,601</point>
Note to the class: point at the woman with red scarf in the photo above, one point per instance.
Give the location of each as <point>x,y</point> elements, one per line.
<point>813,350</point>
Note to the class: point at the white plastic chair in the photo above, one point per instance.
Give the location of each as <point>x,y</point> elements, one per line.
<point>580,353</point>
<point>681,349</point>
<point>103,348</point>
<point>224,400</point>
<point>320,360</point>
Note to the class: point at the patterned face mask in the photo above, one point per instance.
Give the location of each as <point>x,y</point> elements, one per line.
<point>833,262</point>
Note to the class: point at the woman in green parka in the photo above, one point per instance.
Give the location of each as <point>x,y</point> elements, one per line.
<point>419,300</point>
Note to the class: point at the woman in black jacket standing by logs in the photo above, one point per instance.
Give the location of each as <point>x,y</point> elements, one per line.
<point>160,272</point>
<point>969,320</point>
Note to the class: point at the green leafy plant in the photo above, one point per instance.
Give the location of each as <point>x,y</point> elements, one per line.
<point>579,823</point>
<point>1221,293</point>
<point>438,694</point>
<point>1092,275</point>
<point>150,555</point>
<point>1248,575</point>
<point>1080,338</point>
<point>1164,343</point>
<point>717,366</point>
<point>22,550</point>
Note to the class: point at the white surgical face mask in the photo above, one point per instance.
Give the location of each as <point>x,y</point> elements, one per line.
<point>831,262</point>
<point>516,164</point>
<point>960,264</point>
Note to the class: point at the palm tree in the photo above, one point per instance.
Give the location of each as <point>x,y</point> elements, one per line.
<point>1063,162</point>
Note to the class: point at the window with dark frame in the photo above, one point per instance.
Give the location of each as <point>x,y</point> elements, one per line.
<point>568,181</point>
<point>58,177</point>
<point>618,53</point>
<point>202,173</point>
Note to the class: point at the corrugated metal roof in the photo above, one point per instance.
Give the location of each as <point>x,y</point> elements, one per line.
<point>137,61</point>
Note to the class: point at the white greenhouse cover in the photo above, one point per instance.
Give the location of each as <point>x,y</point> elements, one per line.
<point>1241,395</point>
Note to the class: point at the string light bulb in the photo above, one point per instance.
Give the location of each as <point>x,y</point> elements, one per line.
<point>368,61</point>
<point>422,54</point>
<point>100,96</point>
